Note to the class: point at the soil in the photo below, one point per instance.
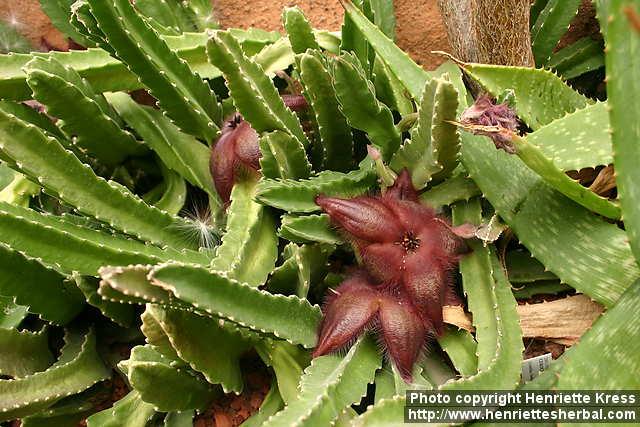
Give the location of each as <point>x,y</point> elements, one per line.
<point>231,410</point>
<point>419,31</point>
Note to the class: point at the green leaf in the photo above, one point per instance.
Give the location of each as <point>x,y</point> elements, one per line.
<point>83,114</point>
<point>303,266</point>
<point>434,144</point>
<point>623,42</point>
<point>209,348</point>
<point>478,285</point>
<point>149,371</point>
<point>551,24</point>
<point>12,40</point>
<point>59,12</point>
<point>67,247</point>
<point>78,368</point>
<point>384,17</point>
<point>287,361</point>
<point>523,268</point>
<point>335,134</point>
<point>412,76</point>
<point>283,156</point>
<point>578,140</point>
<point>178,151</point>
<point>454,189</point>
<point>188,100</point>
<point>249,247</point>
<point>11,314</point>
<point>271,404</point>
<point>175,192</point>
<point>612,341</point>
<point>557,231</point>
<point>359,105</point>
<point>329,385</point>
<point>44,291</point>
<point>179,419</point>
<point>130,411</point>
<point>299,30</point>
<point>540,95</point>
<point>578,58</point>
<point>535,159</point>
<point>29,352</point>
<point>289,318</point>
<point>461,348</point>
<point>308,228</point>
<point>299,195</point>
<point>252,90</point>
<point>31,115</point>
<point>59,171</point>
<point>122,314</point>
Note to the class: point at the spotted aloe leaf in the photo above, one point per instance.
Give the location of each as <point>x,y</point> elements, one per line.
<point>623,40</point>
<point>551,24</point>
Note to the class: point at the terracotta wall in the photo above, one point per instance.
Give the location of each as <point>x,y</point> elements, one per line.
<point>419,29</point>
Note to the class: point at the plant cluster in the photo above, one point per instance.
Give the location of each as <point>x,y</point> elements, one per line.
<point>166,244</point>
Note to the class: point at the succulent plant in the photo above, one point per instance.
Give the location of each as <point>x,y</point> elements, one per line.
<point>167,247</point>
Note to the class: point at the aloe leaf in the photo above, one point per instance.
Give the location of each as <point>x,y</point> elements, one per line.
<point>289,318</point>
<point>44,291</point>
<point>249,247</point>
<point>611,341</point>
<point>209,348</point>
<point>72,100</point>
<point>78,368</point>
<point>478,285</point>
<point>329,385</point>
<point>359,105</point>
<point>534,158</point>
<point>11,314</point>
<point>122,314</point>
<point>456,188</point>
<point>29,352</point>
<point>271,404</point>
<point>551,24</point>
<point>578,140</point>
<point>578,58</point>
<point>130,411</point>
<point>335,134</point>
<point>540,95</point>
<point>180,91</point>
<point>299,195</point>
<point>308,228</point>
<point>299,30</point>
<point>434,144</point>
<point>62,173</point>
<point>178,151</point>
<point>283,156</point>
<point>412,76</point>
<point>252,90</point>
<point>557,231</point>
<point>149,371</point>
<point>623,41</point>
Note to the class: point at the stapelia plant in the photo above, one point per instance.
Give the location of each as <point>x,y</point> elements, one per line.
<point>176,206</point>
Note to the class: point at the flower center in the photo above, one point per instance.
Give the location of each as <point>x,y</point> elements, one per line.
<point>410,242</point>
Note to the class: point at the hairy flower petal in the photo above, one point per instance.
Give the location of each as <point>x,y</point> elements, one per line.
<point>346,314</point>
<point>402,188</point>
<point>403,332</point>
<point>365,218</point>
